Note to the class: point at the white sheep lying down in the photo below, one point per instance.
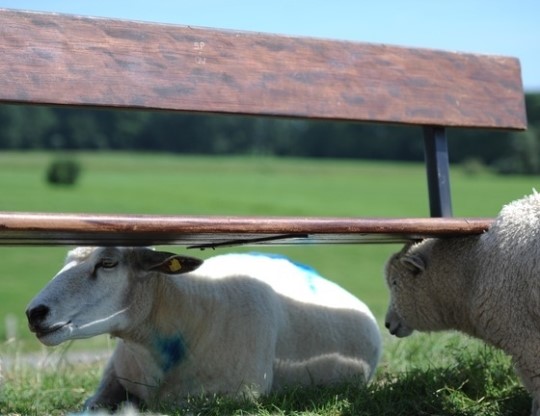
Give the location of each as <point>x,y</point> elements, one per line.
<point>236,324</point>
<point>486,286</point>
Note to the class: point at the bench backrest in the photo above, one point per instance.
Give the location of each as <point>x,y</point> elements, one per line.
<point>67,60</point>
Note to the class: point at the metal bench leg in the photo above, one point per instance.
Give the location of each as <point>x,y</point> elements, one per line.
<point>438,173</point>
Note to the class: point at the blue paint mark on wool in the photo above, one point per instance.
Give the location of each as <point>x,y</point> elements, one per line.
<point>304,267</point>
<point>310,273</point>
<point>171,350</point>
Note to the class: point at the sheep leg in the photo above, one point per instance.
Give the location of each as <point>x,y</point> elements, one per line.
<point>535,411</point>
<point>110,393</point>
<point>531,381</point>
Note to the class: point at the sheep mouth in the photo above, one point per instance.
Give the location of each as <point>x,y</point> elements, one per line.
<point>399,330</point>
<point>43,332</point>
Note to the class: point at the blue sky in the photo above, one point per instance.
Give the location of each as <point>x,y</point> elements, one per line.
<point>500,27</point>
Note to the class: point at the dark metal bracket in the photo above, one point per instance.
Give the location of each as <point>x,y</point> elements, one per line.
<point>438,172</point>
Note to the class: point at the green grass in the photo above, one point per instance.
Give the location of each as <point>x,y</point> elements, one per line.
<point>168,184</point>
<point>425,375</point>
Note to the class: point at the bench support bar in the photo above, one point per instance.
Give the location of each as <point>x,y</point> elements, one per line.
<point>438,173</point>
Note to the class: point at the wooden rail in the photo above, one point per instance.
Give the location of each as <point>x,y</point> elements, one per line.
<point>202,232</point>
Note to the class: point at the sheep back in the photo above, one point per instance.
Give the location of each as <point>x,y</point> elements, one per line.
<point>324,332</point>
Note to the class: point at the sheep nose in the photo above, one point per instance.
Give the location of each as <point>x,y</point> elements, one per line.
<point>387,324</point>
<point>36,315</point>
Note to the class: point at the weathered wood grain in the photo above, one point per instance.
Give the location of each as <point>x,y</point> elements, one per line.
<point>69,60</point>
<point>141,230</point>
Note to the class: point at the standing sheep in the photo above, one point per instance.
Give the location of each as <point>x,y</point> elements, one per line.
<point>486,286</point>
<point>237,324</point>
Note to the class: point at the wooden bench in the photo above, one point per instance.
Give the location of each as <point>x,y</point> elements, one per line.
<point>51,59</point>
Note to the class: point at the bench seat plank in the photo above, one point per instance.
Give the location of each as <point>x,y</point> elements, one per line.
<point>81,61</point>
<point>17,228</point>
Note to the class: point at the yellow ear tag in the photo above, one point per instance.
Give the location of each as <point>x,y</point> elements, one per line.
<point>175,265</point>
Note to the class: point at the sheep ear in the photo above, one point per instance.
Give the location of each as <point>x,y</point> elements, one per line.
<point>177,265</point>
<point>414,263</point>
<point>406,247</point>
<point>168,263</point>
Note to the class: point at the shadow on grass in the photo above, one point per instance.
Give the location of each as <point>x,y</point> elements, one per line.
<point>479,384</point>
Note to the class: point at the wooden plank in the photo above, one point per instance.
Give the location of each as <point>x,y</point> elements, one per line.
<point>18,228</point>
<point>69,60</point>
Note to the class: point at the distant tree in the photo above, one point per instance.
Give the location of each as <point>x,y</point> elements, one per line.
<point>525,155</point>
<point>63,172</point>
<point>25,127</point>
<point>59,128</point>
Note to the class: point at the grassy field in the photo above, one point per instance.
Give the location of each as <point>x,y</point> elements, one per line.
<point>166,184</point>
<point>471,380</point>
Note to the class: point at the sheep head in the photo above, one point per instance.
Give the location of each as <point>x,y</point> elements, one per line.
<point>400,273</point>
<point>430,286</point>
<point>415,301</point>
<point>91,294</point>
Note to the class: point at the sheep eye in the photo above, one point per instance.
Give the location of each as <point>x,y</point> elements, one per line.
<point>108,263</point>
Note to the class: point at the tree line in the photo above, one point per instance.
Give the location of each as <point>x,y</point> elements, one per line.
<point>60,128</point>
